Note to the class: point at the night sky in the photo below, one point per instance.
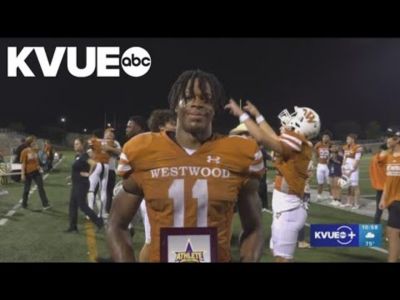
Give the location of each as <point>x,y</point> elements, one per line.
<point>341,78</point>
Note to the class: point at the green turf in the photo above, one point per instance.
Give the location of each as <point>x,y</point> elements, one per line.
<point>35,236</point>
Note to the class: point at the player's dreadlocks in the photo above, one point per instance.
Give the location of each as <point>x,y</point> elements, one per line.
<point>217,99</point>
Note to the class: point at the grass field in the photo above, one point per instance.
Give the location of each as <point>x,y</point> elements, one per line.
<point>35,236</point>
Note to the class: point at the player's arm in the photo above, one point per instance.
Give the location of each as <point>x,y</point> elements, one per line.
<point>382,204</point>
<point>265,136</point>
<point>124,207</point>
<point>111,150</point>
<point>249,207</point>
<point>23,158</point>
<point>253,110</point>
<point>115,151</point>
<point>92,165</point>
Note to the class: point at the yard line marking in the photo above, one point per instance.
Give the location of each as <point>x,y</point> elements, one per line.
<point>12,211</point>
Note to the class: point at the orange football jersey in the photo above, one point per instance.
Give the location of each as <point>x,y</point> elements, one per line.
<point>392,182</point>
<point>377,173</point>
<point>351,151</point>
<point>322,151</point>
<point>292,164</point>
<point>197,190</point>
<point>99,155</point>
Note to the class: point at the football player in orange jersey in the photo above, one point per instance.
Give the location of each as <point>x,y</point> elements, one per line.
<point>351,161</point>
<point>191,178</point>
<point>293,152</point>
<point>99,176</point>
<point>391,192</point>
<point>322,154</point>
<point>113,148</point>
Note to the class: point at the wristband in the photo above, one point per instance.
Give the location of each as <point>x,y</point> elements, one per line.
<point>260,119</point>
<point>243,117</point>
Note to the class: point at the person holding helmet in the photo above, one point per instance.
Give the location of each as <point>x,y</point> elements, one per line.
<point>293,152</point>
<point>391,191</point>
<point>350,168</point>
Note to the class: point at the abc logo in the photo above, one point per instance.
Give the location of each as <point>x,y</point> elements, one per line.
<point>136,61</point>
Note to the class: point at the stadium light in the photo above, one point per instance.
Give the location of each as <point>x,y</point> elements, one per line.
<point>108,124</point>
<point>84,130</point>
<point>63,119</point>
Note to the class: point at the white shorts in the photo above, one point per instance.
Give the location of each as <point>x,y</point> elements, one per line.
<point>146,223</point>
<point>99,176</point>
<point>322,173</point>
<point>354,177</point>
<point>286,226</point>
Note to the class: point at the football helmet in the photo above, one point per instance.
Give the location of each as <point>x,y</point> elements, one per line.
<point>304,121</point>
<point>344,182</point>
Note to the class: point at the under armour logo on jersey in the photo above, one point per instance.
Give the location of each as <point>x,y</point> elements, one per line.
<point>215,159</point>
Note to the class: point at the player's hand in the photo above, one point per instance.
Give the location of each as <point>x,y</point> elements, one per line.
<point>251,108</point>
<point>233,108</point>
<point>106,148</point>
<point>382,205</point>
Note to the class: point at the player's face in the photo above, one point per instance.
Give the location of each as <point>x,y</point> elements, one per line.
<point>34,145</point>
<point>132,129</point>
<point>78,147</point>
<point>196,114</point>
<point>109,135</point>
<point>349,140</point>
<point>325,138</point>
<point>392,142</point>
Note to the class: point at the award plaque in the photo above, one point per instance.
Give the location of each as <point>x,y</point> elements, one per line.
<point>188,244</point>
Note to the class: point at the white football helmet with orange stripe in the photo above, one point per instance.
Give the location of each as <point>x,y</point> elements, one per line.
<point>304,120</point>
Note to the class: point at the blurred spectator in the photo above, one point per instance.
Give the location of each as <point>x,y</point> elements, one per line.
<point>49,151</point>
<point>31,171</point>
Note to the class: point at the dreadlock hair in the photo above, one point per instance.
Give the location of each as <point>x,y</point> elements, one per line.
<point>159,117</point>
<point>178,90</point>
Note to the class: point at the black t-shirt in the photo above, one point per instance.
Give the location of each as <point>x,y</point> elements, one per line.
<point>18,151</point>
<point>335,166</point>
<point>80,165</point>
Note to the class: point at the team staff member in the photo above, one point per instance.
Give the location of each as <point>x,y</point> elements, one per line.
<point>30,170</point>
<point>391,192</point>
<point>80,186</point>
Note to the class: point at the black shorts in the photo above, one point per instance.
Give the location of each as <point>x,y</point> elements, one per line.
<point>335,171</point>
<point>394,215</point>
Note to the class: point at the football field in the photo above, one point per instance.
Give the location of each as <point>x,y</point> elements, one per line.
<point>30,235</point>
